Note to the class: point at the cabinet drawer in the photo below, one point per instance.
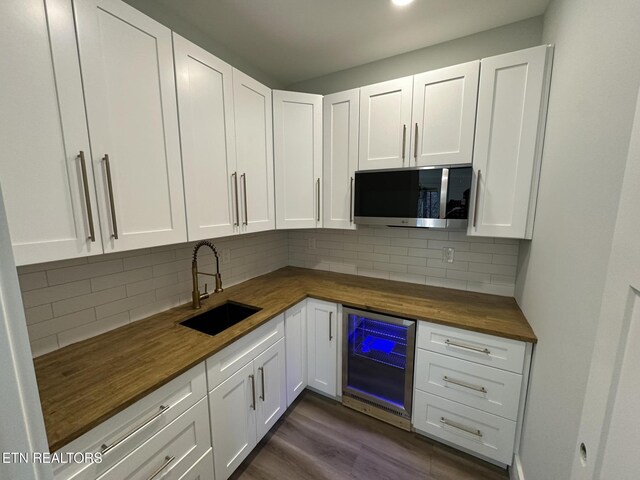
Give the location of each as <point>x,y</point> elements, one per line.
<point>476,347</point>
<point>480,432</point>
<point>232,358</point>
<point>133,426</point>
<point>171,452</point>
<point>202,470</point>
<point>489,389</point>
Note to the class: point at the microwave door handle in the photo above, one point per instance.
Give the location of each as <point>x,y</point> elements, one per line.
<point>444,187</point>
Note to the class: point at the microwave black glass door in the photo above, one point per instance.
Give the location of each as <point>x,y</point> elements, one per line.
<point>458,193</point>
<point>398,194</point>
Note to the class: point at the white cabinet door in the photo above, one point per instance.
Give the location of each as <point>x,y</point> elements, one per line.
<point>385,116</point>
<point>340,153</point>
<point>130,91</point>
<point>444,115</point>
<point>295,331</point>
<point>271,386</point>
<point>42,132</point>
<point>509,132</point>
<point>254,151</point>
<point>233,420</point>
<point>205,105</point>
<point>322,346</point>
<point>297,145</point>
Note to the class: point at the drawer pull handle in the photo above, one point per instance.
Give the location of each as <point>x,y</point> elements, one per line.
<point>167,462</point>
<point>459,426</point>
<point>104,449</point>
<point>330,324</point>
<point>464,384</point>
<point>253,391</point>
<point>449,343</point>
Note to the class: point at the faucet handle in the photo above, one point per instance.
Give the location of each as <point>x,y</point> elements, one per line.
<point>205,289</point>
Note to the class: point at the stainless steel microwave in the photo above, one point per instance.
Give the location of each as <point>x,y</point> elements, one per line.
<point>431,197</point>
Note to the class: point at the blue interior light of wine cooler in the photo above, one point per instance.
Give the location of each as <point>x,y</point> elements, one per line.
<point>379,344</point>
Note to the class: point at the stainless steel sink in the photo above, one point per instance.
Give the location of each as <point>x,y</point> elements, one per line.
<point>220,318</point>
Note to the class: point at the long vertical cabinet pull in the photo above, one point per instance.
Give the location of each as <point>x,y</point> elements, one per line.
<point>404,141</point>
<point>318,183</point>
<point>253,391</point>
<point>244,191</point>
<point>87,198</point>
<point>351,201</point>
<point>330,326</point>
<point>475,209</point>
<point>261,370</point>
<point>415,146</point>
<point>235,189</point>
<point>111,201</point>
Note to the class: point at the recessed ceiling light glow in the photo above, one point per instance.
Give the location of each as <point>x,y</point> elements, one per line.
<point>401,3</point>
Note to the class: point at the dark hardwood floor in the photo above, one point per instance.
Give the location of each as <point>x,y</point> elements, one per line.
<point>320,439</point>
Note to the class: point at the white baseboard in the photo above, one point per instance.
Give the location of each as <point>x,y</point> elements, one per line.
<point>515,471</point>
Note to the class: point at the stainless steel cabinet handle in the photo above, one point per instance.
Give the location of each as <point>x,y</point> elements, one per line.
<point>104,449</point>
<point>111,201</point>
<point>351,202</point>
<point>475,207</point>
<point>253,391</point>
<point>318,216</point>
<point>87,198</point>
<point>464,384</point>
<point>330,326</point>
<point>246,211</point>
<point>261,370</point>
<point>449,343</point>
<point>167,462</point>
<point>404,141</point>
<point>415,146</point>
<point>459,426</point>
<point>235,184</point>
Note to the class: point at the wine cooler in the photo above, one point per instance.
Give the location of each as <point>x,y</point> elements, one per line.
<point>377,365</point>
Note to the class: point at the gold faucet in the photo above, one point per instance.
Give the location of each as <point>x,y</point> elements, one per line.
<point>195,294</point>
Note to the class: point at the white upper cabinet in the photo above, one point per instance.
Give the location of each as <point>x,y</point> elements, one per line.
<point>205,106</point>
<point>512,104</point>
<point>444,115</point>
<point>297,134</point>
<point>340,120</point>
<point>49,197</point>
<point>130,91</point>
<point>385,117</point>
<point>254,150</point>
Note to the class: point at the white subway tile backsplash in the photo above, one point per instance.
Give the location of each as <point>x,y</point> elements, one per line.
<point>75,304</point>
<point>72,300</point>
<point>412,255</point>
<point>45,295</point>
<point>70,274</point>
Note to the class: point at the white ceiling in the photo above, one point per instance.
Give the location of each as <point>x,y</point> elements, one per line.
<point>294,40</point>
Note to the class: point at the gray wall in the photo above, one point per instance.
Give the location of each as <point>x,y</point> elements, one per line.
<point>187,30</point>
<point>515,36</point>
<point>562,270</point>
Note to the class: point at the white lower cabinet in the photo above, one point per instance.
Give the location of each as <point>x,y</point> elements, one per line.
<point>488,435</point>
<point>469,389</point>
<point>171,452</point>
<point>125,433</point>
<point>322,346</point>
<point>248,394</point>
<point>295,330</point>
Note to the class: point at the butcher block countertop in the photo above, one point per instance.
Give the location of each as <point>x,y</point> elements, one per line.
<point>86,383</point>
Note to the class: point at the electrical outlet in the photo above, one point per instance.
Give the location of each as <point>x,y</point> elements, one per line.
<point>312,244</point>
<point>448,253</point>
<point>226,255</point>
